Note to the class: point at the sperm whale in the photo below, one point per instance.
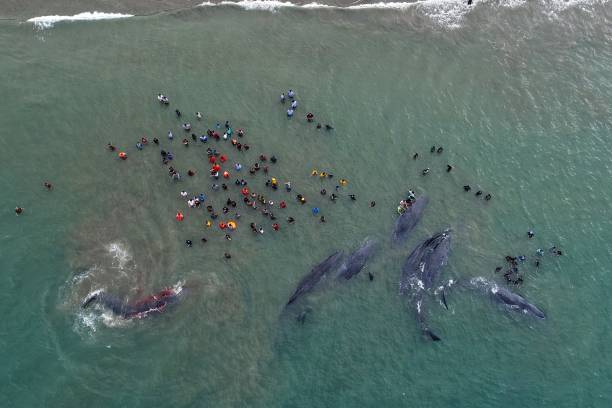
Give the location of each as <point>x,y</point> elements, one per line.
<point>317,273</point>
<point>421,271</point>
<point>152,304</point>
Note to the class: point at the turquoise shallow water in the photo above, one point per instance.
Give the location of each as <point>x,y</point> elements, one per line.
<point>520,100</point>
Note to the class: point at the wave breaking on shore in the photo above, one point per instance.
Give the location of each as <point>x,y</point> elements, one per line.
<point>445,13</point>
<point>43,22</point>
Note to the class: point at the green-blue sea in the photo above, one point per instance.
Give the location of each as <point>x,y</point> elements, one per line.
<point>518,94</point>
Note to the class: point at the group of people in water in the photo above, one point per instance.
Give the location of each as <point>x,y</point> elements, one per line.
<point>450,168</point>
<point>406,203</point>
<point>221,170</point>
<point>293,107</point>
<point>47,185</point>
<point>513,273</point>
<point>220,173</point>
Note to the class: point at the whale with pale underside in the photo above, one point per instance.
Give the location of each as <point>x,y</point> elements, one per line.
<point>507,298</point>
<point>421,271</point>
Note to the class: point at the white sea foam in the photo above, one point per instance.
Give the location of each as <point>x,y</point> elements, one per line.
<point>513,3</point>
<point>270,5</point>
<point>554,7</point>
<point>111,320</point>
<point>448,13</point>
<point>85,322</point>
<point>479,281</point>
<point>49,21</point>
<point>80,277</point>
<point>445,13</point>
<point>121,255</point>
<point>178,287</point>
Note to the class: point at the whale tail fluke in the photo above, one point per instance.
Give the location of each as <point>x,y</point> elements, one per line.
<point>431,335</point>
<point>444,300</point>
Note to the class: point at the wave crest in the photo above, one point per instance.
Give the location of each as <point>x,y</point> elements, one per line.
<point>446,13</point>
<point>43,22</point>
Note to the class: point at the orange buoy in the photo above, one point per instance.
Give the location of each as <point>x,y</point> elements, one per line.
<point>226,174</point>
<point>245,191</point>
<point>179,216</point>
<point>231,225</point>
<point>222,225</point>
<point>223,158</point>
<point>122,155</point>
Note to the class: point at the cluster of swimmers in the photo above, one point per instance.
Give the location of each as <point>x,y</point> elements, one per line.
<point>217,161</point>
<point>513,274</point>
<point>47,185</point>
<point>449,168</point>
<point>479,193</point>
<point>405,203</point>
<point>294,102</point>
<point>293,107</point>
<point>323,175</point>
<point>433,149</point>
<point>253,200</point>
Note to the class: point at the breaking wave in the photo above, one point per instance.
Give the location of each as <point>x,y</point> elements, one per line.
<point>49,21</point>
<point>445,13</point>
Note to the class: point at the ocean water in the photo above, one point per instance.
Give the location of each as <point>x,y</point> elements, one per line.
<point>518,94</point>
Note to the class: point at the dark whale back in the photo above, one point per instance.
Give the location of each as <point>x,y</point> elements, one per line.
<point>317,273</point>
<point>357,260</point>
<point>506,297</point>
<point>409,219</point>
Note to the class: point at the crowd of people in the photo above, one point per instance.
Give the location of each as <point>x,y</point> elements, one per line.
<point>256,201</point>
<point>515,265</point>
<point>222,170</point>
